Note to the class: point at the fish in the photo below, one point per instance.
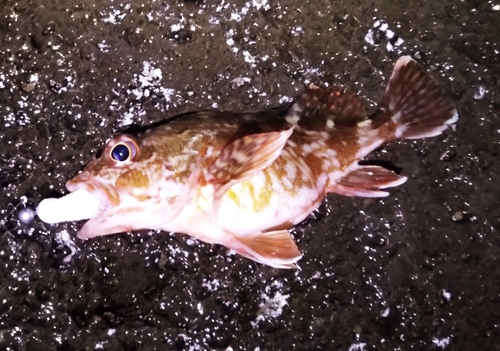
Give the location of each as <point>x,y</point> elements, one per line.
<point>244,180</point>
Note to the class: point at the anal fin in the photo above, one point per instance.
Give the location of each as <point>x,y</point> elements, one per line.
<point>367,181</point>
<point>276,248</point>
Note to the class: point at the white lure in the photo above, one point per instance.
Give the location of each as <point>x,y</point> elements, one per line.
<point>75,206</point>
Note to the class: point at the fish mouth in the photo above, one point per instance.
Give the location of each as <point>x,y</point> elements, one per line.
<point>106,195</point>
<point>101,223</point>
<point>119,209</point>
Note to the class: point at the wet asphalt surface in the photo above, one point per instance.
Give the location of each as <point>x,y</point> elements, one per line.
<point>414,271</point>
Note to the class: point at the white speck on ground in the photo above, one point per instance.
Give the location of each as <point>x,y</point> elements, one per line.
<point>369,37</point>
<point>446,294</point>
<point>114,16</point>
<point>103,46</point>
<point>360,346</point>
<point>385,313</point>
<point>441,343</point>
<point>272,304</point>
<point>296,31</point>
<point>479,95</point>
<point>20,274</point>
<point>258,4</point>
<point>248,57</point>
<point>239,81</point>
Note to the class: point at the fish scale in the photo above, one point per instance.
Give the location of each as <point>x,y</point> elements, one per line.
<point>242,180</point>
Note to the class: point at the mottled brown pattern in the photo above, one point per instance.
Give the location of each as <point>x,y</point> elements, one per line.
<point>197,140</point>
<point>315,163</point>
<point>244,155</point>
<point>294,156</point>
<point>387,130</point>
<point>343,108</point>
<point>133,178</point>
<point>345,142</point>
<point>185,141</point>
<point>278,170</point>
<point>278,166</point>
<point>380,117</point>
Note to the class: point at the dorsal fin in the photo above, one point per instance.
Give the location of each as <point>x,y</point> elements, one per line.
<point>329,106</point>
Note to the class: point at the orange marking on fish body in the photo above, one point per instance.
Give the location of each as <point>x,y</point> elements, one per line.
<point>133,178</point>
<point>233,196</point>
<point>262,199</point>
<point>112,196</point>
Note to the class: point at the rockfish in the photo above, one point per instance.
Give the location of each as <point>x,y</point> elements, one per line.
<point>242,180</point>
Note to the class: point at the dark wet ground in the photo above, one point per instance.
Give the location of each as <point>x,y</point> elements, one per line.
<point>414,271</point>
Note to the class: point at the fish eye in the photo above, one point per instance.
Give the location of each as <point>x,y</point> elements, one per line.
<point>121,150</point>
<point>120,153</point>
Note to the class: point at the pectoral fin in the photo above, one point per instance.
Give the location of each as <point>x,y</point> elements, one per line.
<point>244,158</point>
<point>367,181</point>
<point>276,248</point>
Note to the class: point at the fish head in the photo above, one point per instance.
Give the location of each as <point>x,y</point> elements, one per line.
<point>134,185</point>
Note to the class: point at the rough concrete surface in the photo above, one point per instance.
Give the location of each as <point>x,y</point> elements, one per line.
<point>417,270</point>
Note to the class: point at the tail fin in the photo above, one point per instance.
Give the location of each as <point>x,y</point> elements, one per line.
<point>416,103</point>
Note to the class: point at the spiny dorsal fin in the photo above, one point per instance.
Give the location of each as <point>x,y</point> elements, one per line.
<point>329,106</point>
